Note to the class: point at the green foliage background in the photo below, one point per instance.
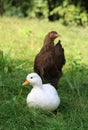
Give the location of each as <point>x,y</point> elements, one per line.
<point>73,12</point>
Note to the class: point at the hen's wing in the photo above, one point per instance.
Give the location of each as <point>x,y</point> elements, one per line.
<point>59,56</point>
<point>45,66</point>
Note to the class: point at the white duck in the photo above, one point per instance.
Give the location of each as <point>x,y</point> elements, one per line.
<point>42,96</point>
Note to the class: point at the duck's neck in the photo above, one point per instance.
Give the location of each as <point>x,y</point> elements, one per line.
<point>39,85</point>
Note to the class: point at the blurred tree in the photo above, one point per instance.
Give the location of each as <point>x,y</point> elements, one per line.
<point>1,7</point>
<point>52,4</point>
<point>82,3</point>
<point>24,5</point>
<point>15,7</point>
<point>66,10</point>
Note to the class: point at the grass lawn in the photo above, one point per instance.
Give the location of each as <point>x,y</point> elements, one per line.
<point>20,41</point>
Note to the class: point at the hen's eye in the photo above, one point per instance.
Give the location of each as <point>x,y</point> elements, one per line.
<point>31,77</point>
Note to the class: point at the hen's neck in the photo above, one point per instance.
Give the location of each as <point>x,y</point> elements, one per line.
<point>48,42</point>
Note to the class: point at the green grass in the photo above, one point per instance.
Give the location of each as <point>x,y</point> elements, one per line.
<point>20,41</point>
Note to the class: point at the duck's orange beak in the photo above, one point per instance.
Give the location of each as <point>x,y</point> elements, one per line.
<point>26,83</point>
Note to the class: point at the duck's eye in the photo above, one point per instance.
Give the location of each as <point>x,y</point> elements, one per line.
<point>31,77</point>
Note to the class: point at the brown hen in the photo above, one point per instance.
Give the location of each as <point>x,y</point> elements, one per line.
<point>50,60</point>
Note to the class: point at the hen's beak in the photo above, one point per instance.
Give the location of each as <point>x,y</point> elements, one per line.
<point>26,83</point>
<point>57,35</point>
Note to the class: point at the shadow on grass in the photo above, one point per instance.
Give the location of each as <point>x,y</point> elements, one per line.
<point>73,88</point>
<point>13,73</point>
